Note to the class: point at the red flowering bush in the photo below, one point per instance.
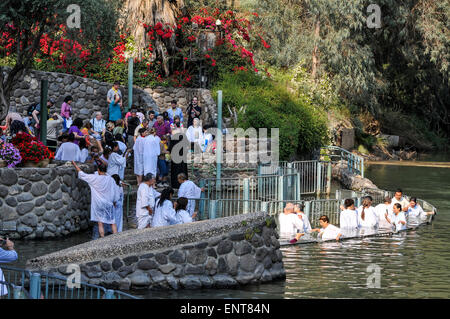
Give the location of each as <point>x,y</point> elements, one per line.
<point>31,149</point>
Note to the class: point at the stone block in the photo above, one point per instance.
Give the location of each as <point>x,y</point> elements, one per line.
<point>191,282</point>
<point>177,257</point>
<point>147,264</point>
<point>8,177</point>
<point>242,248</point>
<point>29,220</point>
<point>161,259</point>
<point>197,256</point>
<point>224,247</point>
<point>248,263</point>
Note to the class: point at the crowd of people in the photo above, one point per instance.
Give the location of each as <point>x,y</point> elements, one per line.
<point>393,214</point>
<point>141,139</point>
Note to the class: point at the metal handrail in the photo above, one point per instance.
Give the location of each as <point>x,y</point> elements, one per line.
<point>354,162</point>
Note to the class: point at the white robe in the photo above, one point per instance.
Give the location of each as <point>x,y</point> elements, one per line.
<point>138,149</point>
<point>329,233</point>
<point>306,224</point>
<point>183,217</point>
<point>103,196</point>
<point>370,219</point>
<point>118,209</point>
<point>381,211</point>
<point>195,134</point>
<point>116,165</point>
<point>396,219</point>
<point>192,192</point>
<point>416,213</point>
<point>151,152</point>
<point>122,147</point>
<point>348,219</point>
<point>6,256</point>
<point>289,224</point>
<point>164,215</point>
<point>145,198</point>
<point>84,153</point>
<point>68,152</point>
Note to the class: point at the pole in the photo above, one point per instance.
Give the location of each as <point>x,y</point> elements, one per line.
<point>219,141</point>
<point>130,85</point>
<point>35,286</point>
<point>44,112</point>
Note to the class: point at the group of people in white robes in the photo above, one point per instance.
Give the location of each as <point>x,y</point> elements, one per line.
<point>154,209</point>
<point>146,151</point>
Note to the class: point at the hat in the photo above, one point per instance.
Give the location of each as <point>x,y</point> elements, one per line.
<point>52,100</point>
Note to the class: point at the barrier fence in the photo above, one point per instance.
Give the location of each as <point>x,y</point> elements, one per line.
<point>24,284</point>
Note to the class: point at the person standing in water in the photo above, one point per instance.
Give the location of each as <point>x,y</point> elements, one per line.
<point>366,214</point>
<point>290,224</point>
<point>328,231</point>
<point>103,197</point>
<point>383,212</point>
<point>415,212</point>
<point>398,219</point>
<point>348,218</point>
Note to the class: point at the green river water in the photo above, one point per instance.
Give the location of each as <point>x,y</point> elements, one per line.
<point>415,264</point>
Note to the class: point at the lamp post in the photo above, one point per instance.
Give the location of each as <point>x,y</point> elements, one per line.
<point>130,82</point>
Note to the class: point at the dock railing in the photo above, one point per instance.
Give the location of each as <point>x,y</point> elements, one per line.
<point>355,163</point>
<point>24,284</point>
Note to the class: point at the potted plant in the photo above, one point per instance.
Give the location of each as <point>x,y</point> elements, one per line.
<point>33,152</point>
<point>9,155</point>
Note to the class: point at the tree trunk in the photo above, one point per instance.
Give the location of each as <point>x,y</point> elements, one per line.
<point>315,55</point>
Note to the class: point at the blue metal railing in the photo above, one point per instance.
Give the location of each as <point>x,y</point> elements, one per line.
<point>23,284</point>
<point>355,163</point>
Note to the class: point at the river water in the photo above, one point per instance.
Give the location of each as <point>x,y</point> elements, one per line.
<point>414,264</point>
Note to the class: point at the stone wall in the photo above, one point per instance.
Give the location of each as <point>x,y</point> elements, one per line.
<point>220,253</point>
<point>90,95</point>
<point>42,202</point>
<point>349,180</point>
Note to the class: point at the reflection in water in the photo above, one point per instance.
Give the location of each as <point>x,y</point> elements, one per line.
<point>414,264</point>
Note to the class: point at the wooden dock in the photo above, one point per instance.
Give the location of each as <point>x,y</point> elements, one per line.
<point>411,163</point>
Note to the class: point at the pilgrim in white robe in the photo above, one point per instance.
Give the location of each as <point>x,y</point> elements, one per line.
<point>84,153</point>
<point>397,219</point>
<point>381,211</point>
<point>183,217</point>
<point>416,215</point>
<point>122,147</point>
<point>306,224</point>
<point>103,196</point>
<point>68,151</point>
<point>138,150</point>
<point>145,198</point>
<point>289,225</point>
<point>192,192</point>
<point>329,233</point>
<point>195,135</point>
<point>370,218</point>
<point>118,208</point>
<point>116,165</point>
<point>151,152</point>
<point>164,215</point>
<point>348,219</point>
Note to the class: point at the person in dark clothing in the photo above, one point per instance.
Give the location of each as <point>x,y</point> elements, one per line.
<point>177,168</point>
<point>193,111</point>
<point>133,122</point>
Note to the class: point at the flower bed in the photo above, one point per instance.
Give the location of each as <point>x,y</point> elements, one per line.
<point>9,154</point>
<point>31,149</point>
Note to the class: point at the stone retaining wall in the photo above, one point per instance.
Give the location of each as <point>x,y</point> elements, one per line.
<point>349,180</point>
<point>220,253</point>
<point>42,202</point>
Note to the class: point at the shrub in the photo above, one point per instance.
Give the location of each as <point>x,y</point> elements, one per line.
<point>266,104</point>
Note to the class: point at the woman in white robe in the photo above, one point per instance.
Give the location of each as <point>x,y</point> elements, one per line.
<point>103,197</point>
<point>138,150</point>
<point>328,231</point>
<point>68,151</point>
<point>299,210</point>
<point>116,162</point>
<point>367,218</point>
<point>416,215</point>
<point>182,215</point>
<point>118,207</point>
<point>145,203</point>
<point>189,190</point>
<point>151,152</point>
<point>165,214</point>
<point>398,218</point>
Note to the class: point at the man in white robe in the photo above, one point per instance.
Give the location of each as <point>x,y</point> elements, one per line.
<point>138,150</point>
<point>189,190</point>
<point>103,197</point>
<point>151,152</point>
<point>384,211</point>
<point>145,203</point>
<point>117,163</point>
<point>348,218</point>
<point>69,151</point>
<point>290,224</point>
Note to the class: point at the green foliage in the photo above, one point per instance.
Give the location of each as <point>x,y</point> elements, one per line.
<point>269,105</point>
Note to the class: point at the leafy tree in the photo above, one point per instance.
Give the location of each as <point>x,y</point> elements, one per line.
<point>24,23</point>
